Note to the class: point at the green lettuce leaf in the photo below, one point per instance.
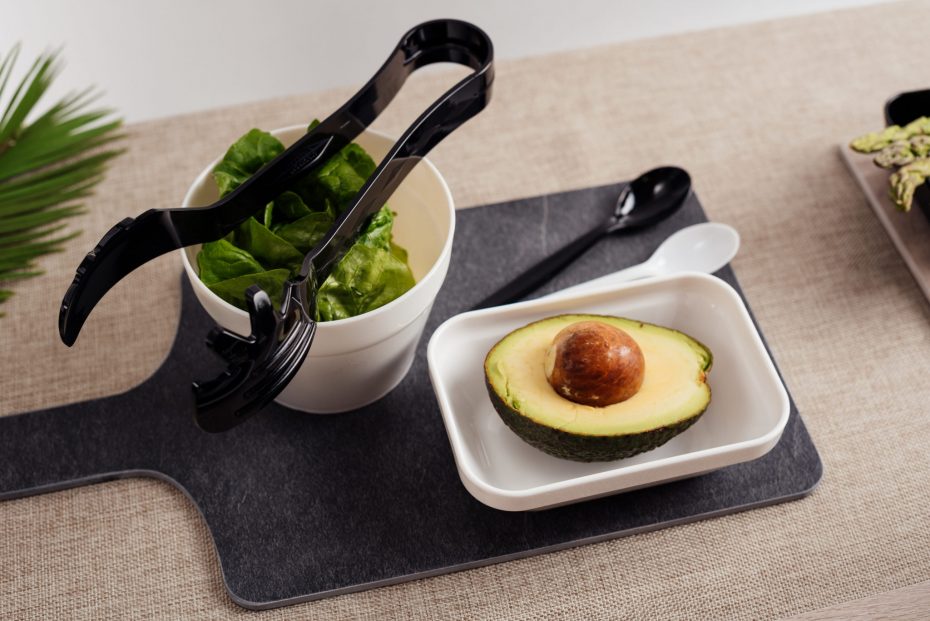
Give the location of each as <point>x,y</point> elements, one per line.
<point>304,233</point>
<point>233,289</point>
<point>289,207</point>
<point>377,234</point>
<point>364,280</point>
<point>270,250</point>
<point>369,275</point>
<point>244,158</point>
<point>269,214</point>
<point>399,252</point>
<point>221,260</point>
<point>338,180</point>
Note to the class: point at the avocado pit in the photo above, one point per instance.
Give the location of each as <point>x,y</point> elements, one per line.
<point>595,364</point>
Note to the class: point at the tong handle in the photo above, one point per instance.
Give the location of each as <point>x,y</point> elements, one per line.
<point>432,42</point>
<point>128,244</point>
<point>157,231</point>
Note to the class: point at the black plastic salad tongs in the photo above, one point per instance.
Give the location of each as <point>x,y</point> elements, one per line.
<point>261,364</point>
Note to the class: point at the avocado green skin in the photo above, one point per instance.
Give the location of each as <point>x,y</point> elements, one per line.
<point>581,447</point>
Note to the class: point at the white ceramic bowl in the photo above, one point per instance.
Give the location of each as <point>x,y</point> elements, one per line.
<point>748,411</point>
<point>356,361</point>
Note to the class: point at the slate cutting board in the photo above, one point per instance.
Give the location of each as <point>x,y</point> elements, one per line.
<point>303,507</point>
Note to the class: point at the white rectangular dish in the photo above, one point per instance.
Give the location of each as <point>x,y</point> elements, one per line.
<point>745,419</point>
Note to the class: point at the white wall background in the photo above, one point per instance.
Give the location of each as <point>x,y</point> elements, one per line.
<point>156,58</point>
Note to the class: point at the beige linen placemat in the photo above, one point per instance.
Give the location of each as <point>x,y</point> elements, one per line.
<point>754,113</point>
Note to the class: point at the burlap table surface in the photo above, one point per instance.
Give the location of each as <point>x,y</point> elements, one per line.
<point>755,113</point>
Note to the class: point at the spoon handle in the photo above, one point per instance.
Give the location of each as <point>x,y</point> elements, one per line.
<point>634,272</point>
<point>541,272</point>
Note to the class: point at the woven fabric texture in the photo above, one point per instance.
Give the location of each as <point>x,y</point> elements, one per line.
<point>755,113</point>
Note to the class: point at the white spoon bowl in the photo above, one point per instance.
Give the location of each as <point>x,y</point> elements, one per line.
<point>705,247</point>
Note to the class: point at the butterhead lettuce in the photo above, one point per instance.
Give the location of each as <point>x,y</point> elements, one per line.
<point>269,248</point>
<point>368,276</point>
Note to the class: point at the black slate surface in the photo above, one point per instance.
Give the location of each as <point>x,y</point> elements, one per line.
<point>303,507</point>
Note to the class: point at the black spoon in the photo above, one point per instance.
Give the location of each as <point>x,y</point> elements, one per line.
<point>648,199</point>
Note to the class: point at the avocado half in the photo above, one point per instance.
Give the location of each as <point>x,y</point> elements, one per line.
<point>673,396</point>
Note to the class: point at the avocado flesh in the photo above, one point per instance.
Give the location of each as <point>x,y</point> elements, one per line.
<point>673,395</point>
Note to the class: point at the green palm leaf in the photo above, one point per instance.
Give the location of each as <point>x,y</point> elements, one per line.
<point>49,162</point>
